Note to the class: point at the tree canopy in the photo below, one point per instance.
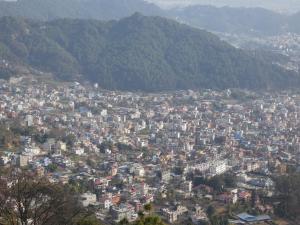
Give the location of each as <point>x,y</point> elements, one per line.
<point>26,199</point>
<point>288,193</point>
<point>137,53</point>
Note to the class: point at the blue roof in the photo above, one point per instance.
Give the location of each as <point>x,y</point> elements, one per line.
<point>263,218</point>
<point>250,218</point>
<point>246,217</point>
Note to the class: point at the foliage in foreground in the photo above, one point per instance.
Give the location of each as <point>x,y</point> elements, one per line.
<point>288,193</point>
<point>28,200</point>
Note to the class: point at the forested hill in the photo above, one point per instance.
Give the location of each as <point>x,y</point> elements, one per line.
<point>136,53</point>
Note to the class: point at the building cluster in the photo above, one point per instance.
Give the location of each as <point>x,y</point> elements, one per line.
<point>122,150</point>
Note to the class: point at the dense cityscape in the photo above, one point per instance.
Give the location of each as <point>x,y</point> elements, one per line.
<point>149,112</point>
<point>186,153</point>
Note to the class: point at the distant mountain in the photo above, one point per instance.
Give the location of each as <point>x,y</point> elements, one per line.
<point>136,53</point>
<point>79,9</point>
<point>233,20</point>
<point>254,21</point>
<point>289,6</point>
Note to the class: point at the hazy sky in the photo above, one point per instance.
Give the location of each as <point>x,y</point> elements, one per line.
<point>278,5</point>
<point>289,6</point>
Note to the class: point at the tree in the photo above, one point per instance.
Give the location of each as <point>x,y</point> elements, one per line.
<point>288,192</point>
<point>105,145</point>
<point>91,220</point>
<point>148,207</point>
<point>146,219</point>
<point>230,180</point>
<point>149,220</point>
<point>28,200</point>
<point>253,198</point>
<point>210,211</point>
<point>218,220</point>
<point>141,215</point>
<point>224,221</point>
<point>91,162</point>
<point>52,168</point>
<point>124,222</point>
<point>178,170</point>
<point>217,183</point>
<point>199,180</point>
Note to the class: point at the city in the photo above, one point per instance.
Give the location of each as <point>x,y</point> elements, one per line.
<point>185,153</point>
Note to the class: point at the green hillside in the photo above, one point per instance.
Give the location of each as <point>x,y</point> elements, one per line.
<point>137,53</point>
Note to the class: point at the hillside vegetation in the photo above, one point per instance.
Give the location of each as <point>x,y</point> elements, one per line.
<point>136,53</point>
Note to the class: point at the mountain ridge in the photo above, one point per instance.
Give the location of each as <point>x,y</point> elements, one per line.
<point>256,21</point>
<point>76,9</point>
<point>136,53</point>
<point>233,20</point>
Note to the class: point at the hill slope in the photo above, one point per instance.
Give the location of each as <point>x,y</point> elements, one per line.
<point>136,53</point>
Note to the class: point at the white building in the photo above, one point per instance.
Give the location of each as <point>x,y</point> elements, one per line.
<point>138,170</point>
<point>187,186</point>
<point>218,167</point>
<point>79,151</point>
<point>88,199</point>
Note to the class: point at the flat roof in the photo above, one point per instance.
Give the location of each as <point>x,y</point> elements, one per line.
<point>250,218</point>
